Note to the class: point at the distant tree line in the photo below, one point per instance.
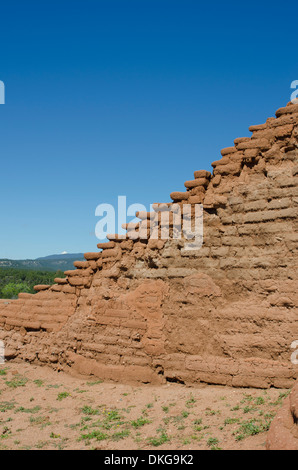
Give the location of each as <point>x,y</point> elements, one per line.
<point>13,281</point>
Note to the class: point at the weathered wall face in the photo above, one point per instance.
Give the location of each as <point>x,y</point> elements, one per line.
<point>151,311</point>
<point>283,432</point>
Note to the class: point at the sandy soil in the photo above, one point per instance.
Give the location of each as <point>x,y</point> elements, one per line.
<point>44,409</point>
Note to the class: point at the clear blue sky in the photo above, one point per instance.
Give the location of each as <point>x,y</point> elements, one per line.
<point>126,97</point>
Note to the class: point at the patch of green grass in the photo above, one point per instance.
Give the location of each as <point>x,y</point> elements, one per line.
<point>212,412</point>
<point>181,427</point>
<point>259,401</point>
<point>197,425</point>
<point>250,428</point>
<point>235,408</point>
<point>159,440</point>
<point>38,382</point>
<point>186,442</point>
<point>17,381</point>
<point>177,420</point>
<point>62,395</point>
<point>117,436</point>
<point>212,441</point>
<point>96,434</point>
<point>28,410</point>
<point>5,433</point>
<point>231,421</point>
<point>96,382</point>
<point>140,422</point>
<point>190,402</point>
<point>128,409</point>
<point>249,409</point>
<point>165,409</point>
<point>112,416</point>
<point>88,410</point>
<point>200,428</point>
<point>269,416</point>
<point>280,398</point>
<point>54,386</point>
<point>6,406</point>
<point>41,421</point>
<point>109,420</point>
<point>198,421</point>
<point>197,437</point>
<point>246,398</point>
<point>3,371</point>
<point>53,410</point>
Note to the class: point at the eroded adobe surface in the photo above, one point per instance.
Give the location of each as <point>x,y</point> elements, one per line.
<point>283,432</point>
<point>152,311</point>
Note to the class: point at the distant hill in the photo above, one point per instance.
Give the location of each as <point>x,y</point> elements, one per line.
<point>63,256</point>
<point>62,262</point>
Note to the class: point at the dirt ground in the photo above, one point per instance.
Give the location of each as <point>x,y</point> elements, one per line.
<point>44,409</point>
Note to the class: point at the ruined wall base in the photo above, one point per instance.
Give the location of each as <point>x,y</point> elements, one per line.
<point>283,432</point>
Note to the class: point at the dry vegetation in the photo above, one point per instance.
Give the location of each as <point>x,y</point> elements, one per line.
<point>42,409</point>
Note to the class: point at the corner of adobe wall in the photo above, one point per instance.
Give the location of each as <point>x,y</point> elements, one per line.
<point>283,432</point>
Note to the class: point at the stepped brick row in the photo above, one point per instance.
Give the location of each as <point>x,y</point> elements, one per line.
<point>144,307</point>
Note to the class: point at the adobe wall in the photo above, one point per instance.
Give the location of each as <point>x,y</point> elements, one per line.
<point>283,432</point>
<point>150,311</point>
